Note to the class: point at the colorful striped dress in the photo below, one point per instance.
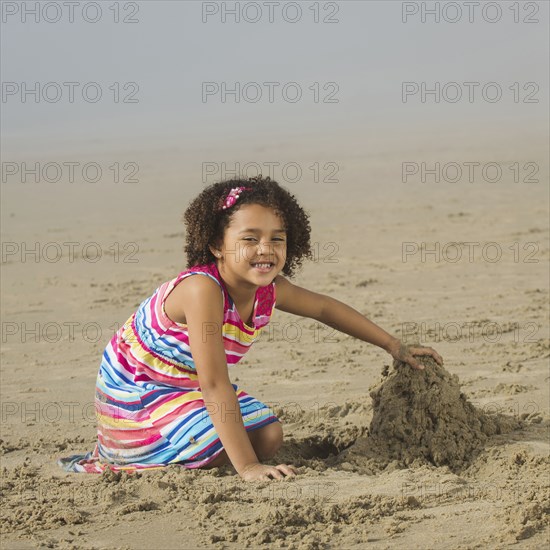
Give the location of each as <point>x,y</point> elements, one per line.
<point>148,400</point>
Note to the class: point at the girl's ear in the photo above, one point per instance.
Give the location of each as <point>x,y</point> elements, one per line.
<point>215,251</point>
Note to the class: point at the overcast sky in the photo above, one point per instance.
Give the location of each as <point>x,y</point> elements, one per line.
<point>360,62</point>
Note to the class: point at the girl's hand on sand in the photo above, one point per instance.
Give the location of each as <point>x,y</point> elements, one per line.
<point>405,353</point>
<point>261,472</point>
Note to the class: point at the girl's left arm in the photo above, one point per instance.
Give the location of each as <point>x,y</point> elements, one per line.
<point>300,301</point>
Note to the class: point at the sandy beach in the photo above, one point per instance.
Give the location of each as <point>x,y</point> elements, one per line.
<point>488,319</point>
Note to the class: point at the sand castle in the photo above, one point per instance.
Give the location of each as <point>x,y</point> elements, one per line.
<point>423,416</point>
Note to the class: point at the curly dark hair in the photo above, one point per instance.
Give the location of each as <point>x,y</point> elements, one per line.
<point>206,224</point>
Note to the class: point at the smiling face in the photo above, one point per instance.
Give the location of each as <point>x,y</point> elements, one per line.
<point>254,246</point>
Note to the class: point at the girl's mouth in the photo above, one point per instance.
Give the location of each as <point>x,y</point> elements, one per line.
<point>263,267</point>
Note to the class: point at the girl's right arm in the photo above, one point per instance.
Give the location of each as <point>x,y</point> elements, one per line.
<point>202,302</point>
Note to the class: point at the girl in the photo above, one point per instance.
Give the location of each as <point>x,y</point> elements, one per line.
<point>163,393</point>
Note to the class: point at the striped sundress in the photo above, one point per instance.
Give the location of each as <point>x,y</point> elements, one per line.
<point>148,401</point>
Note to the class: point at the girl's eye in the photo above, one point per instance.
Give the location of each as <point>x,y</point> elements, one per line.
<point>250,239</point>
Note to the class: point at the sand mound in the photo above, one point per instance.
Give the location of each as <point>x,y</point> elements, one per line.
<point>422,417</point>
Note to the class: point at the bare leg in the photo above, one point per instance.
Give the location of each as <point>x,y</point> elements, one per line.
<point>266,442</point>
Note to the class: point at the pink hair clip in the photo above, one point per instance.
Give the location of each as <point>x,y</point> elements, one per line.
<point>233,195</point>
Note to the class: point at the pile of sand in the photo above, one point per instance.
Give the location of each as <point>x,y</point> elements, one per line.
<point>423,417</point>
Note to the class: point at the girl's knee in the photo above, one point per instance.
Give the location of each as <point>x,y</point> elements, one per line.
<point>266,442</point>
<point>270,440</point>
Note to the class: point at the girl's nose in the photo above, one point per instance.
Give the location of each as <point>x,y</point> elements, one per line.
<point>264,247</point>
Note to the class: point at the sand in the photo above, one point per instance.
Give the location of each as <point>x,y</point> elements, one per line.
<point>428,456</point>
<point>388,457</point>
<point>423,417</point>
